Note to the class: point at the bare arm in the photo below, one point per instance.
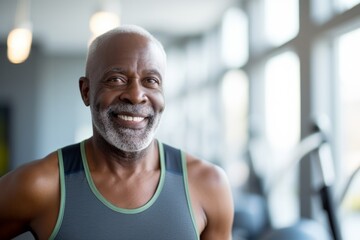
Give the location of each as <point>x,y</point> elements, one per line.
<point>15,207</point>
<point>25,194</point>
<point>211,191</point>
<point>219,210</point>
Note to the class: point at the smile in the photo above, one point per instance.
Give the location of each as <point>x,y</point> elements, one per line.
<point>130,118</point>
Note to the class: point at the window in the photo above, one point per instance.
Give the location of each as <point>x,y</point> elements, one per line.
<point>349,112</point>
<point>281,20</point>
<point>234,38</point>
<point>235,95</point>
<point>282,100</point>
<point>282,117</point>
<point>343,5</point>
<point>349,83</point>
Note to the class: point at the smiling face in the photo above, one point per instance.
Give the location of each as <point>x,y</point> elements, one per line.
<point>123,88</point>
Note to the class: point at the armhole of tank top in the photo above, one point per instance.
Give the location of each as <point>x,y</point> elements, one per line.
<point>62,196</point>
<point>186,184</point>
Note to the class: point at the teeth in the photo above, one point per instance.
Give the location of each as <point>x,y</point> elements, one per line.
<point>130,118</point>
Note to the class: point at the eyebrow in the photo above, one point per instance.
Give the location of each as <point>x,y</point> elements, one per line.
<point>121,70</point>
<point>115,70</point>
<point>155,72</point>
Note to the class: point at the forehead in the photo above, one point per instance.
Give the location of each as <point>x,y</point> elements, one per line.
<point>125,50</point>
<point>130,47</point>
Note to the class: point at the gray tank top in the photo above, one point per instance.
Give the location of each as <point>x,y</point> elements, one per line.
<point>86,214</point>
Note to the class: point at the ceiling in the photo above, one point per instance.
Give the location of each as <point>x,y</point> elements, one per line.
<point>63,26</point>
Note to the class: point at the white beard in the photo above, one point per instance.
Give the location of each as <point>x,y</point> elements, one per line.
<point>126,139</point>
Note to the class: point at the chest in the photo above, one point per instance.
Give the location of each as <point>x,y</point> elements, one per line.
<point>89,215</point>
<point>156,206</point>
<point>128,193</point>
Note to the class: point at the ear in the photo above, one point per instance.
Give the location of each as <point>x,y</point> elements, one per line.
<point>84,90</point>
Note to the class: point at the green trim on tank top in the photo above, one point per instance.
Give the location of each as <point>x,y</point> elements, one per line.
<point>62,196</point>
<point>186,184</point>
<point>110,205</point>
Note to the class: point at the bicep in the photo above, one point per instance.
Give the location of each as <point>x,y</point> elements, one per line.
<point>29,197</point>
<point>25,193</point>
<point>14,214</point>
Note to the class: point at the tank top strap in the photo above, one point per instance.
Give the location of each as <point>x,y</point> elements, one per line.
<point>72,159</point>
<point>173,160</point>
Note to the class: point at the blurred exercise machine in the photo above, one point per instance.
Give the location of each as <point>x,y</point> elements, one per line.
<point>252,219</point>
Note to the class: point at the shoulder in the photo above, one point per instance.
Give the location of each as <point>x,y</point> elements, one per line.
<point>211,195</point>
<point>35,174</point>
<point>27,189</point>
<point>206,175</point>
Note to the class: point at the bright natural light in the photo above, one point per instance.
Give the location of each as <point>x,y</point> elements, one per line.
<point>282,100</point>
<point>235,94</point>
<point>234,38</point>
<point>235,99</point>
<point>343,5</point>
<point>349,86</point>
<point>282,117</point>
<point>281,20</point>
<point>349,71</point>
<point>349,81</point>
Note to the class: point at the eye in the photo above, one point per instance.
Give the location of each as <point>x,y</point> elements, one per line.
<point>152,81</point>
<point>117,80</point>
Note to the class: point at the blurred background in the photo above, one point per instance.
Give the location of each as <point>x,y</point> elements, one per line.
<point>250,86</point>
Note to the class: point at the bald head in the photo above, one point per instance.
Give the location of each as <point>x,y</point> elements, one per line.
<point>124,30</point>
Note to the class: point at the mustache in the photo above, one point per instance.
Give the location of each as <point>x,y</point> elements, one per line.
<point>135,109</point>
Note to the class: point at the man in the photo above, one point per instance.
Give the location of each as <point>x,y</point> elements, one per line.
<point>121,183</point>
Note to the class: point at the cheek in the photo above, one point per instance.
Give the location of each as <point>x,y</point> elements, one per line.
<point>159,102</point>
<point>101,99</point>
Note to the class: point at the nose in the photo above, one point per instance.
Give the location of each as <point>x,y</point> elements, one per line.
<point>134,93</point>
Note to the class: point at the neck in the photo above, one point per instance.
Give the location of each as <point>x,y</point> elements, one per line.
<point>103,152</point>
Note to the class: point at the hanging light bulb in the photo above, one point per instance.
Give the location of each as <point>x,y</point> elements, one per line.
<point>20,38</point>
<point>19,44</point>
<point>105,19</point>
